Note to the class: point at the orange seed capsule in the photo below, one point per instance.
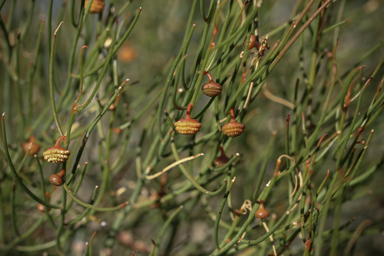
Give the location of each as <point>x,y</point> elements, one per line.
<point>126,53</point>
<point>211,89</point>
<point>188,126</point>
<point>222,159</point>
<point>31,146</point>
<point>261,213</point>
<point>233,128</point>
<point>97,6</point>
<point>56,154</point>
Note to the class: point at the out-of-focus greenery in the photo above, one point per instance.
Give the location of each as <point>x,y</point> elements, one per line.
<point>124,135</point>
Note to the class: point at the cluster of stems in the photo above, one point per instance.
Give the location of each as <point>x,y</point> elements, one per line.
<point>145,172</point>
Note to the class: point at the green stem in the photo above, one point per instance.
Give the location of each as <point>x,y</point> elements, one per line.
<point>91,243</point>
<point>264,166</point>
<point>90,206</point>
<point>49,216</point>
<point>218,216</point>
<point>190,178</point>
<point>13,170</point>
<point>51,83</point>
<point>164,228</point>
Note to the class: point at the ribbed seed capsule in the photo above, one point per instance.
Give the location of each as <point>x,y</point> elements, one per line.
<point>211,89</point>
<point>56,154</point>
<point>233,128</point>
<point>97,6</point>
<point>188,126</point>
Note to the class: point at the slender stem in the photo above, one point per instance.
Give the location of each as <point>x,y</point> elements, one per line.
<point>13,213</point>
<point>164,228</point>
<point>190,178</point>
<point>49,216</point>
<point>219,212</point>
<point>51,83</point>
<point>100,209</point>
<point>91,243</point>
<point>102,74</point>
<point>228,164</point>
<point>264,166</point>
<point>13,170</point>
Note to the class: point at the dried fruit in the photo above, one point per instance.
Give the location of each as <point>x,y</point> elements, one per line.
<point>233,128</point>
<point>56,154</point>
<point>57,179</point>
<point>97,6</point>
<point>261,213</point>
<point>222,159</point>
<point>252,42</point>
<point>211,89</point>
<point>188,126</point>
<point>31,146</point>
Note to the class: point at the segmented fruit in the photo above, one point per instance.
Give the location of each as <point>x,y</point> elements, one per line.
<point>188,126</point>
<point>233,128</point>
<point>56,154</point>
<point>211,89</point>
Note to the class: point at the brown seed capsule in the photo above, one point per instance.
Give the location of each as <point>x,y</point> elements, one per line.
<point>261,213</point>
<point>188,126</point>
<point>126,53</point>
<point>222,159</point>
<point>211,89</point>
<point>252,42</point>
<point>233,128</point>
<point>31,146</point>
<point>40,207</point>
<point>56,154</point>
<point>97,6</point>
<point>57,179</point>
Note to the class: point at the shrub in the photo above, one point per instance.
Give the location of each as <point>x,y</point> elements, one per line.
<point>181,123</point>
